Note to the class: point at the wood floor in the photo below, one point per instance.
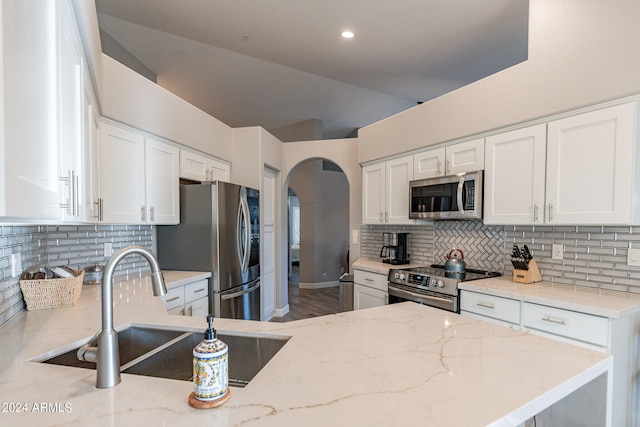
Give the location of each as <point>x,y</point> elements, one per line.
<point>306,303</point>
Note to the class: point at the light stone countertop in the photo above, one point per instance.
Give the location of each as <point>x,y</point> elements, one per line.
<point>173,279</point>
<point>401,364</point>
<point>375,265</point>
<point>604,303</point>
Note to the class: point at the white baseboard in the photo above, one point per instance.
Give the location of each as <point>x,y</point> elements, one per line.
<point>319,285</point>
<point>281,312</point>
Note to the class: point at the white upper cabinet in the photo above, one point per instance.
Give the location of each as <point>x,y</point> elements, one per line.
<point>458,158</point>
<point>198,167</point>
<point>162,183</point>
<point>576,170</point>
<point>373,193</point>
<point>385,189</point>
<point>139,181</point>
<point>515,176</point>
<point>591,167</point>
<point>42,86</point>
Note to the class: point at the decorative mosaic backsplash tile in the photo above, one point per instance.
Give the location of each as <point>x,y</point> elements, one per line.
<point>75,246</point>
<point>594,257</point>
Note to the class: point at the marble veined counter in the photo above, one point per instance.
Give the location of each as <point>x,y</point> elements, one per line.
<point>586,300</point>
<point>375,265</point>
<point>402,364</point>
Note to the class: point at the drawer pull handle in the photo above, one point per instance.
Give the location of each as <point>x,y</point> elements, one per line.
<point>485,305</point>
<point>554,320</point>
<point>368,280</point>
<point>198,290</point>
<point>173,299</point>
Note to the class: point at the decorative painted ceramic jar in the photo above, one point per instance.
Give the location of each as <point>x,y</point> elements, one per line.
<point>210,367</point>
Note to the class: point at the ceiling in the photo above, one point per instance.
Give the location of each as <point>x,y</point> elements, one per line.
<point>279,62</point>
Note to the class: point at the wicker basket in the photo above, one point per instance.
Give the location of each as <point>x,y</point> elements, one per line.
<point>52,293</point>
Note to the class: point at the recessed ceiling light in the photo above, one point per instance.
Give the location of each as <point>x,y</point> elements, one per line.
<point>347,34</point>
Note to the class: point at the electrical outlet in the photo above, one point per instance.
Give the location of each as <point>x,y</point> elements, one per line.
<point>108,249</point>
<point>16,264</point>
<point>633,257</point>
<point>557,252</point>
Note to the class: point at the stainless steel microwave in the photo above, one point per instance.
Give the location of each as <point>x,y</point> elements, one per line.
<point>448,197</point>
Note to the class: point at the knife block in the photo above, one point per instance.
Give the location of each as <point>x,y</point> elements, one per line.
<point>531,275</point>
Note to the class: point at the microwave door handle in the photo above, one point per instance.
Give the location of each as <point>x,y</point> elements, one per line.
<point>460,188</point>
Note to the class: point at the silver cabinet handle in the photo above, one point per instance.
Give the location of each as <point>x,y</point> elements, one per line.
<point>557,321</point>
<point>381,218</point>
<point>99,210</point>
<point>550,212</point>
<point>172,299</point>
<point>190,311</point>
<point>448,166</point>
<point>386,216</point>
<point>485,305</point>
<point>535,212</point>
<point>439,172</point>
<point>151,214</point>
<point>142,213</point>
<point>199,290</point>
<point>368,280</point>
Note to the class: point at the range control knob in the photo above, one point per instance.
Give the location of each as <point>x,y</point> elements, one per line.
<point>402,276</point>
<point>440,284</point>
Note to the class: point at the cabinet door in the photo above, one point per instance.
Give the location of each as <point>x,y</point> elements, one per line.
<point>29,173</point>
<point>589,167</point>
<point>162,183</point>
<point>365,297</point>
<point>465,157</point>
<point>515,177</point>
<point>219,171</point>
<point>70,115</point>
<point>193,166</point>
<point>398,174</point>
<point>429,164</point>
<point>373,193</point>
<point>122,176</point>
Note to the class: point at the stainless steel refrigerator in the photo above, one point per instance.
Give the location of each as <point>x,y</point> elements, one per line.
<point>219,231</point>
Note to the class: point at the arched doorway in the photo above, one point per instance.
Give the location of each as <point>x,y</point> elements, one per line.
<point>318,237</point>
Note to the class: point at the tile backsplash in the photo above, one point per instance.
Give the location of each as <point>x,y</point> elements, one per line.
<point>75,246</point>
<point>593,256</point>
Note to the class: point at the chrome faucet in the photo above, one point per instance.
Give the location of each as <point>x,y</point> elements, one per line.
<point>106,354</point>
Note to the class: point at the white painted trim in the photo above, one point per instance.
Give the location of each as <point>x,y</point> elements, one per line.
<point>319,285</point>
<point>281,312</point>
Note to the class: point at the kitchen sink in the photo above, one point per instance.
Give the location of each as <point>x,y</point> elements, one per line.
<point>168,353</point>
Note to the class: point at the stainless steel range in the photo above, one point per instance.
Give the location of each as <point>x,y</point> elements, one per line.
<point>431,285</point>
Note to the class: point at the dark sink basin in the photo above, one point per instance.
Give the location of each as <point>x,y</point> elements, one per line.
<point>247,356</point>
<point>133,342</point>
<point>167,353</point>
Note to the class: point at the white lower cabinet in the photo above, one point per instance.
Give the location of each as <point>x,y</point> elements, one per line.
<point>615,336</point>
<point>369,289</point>
<point>493,309</point>
<point>191,299</point>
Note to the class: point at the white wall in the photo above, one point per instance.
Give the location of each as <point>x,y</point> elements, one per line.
<point>344,153</point>
<point>581,52</point>
<point>129,98</point>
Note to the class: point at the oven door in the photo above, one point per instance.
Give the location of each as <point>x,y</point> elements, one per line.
<point>400,293</point>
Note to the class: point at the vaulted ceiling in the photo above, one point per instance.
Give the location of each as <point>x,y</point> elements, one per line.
<point>279,62</point>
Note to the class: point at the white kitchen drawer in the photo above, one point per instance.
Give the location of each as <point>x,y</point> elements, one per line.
<point>565,323</point>
<point>372,280</point>
<point>178,311</point>
<point>174,298</point>
<point>490,320</point>
<point>196,290</point>
<point>197,308</point>
<point>499,308</point>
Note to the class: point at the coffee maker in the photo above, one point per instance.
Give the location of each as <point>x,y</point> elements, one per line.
<point>395,248</point>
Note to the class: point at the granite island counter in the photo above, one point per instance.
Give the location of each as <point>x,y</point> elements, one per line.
<point>402,364</point>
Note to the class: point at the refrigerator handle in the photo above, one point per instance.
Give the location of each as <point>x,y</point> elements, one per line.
<point>239,293</point>
<point>243,247</point>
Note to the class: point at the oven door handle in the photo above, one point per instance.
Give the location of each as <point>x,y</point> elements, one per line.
<point>403,293</point>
